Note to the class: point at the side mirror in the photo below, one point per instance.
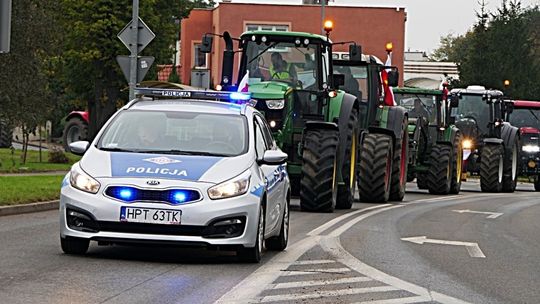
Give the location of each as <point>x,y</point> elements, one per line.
<point>454,101</point>
<point>273,157</point>
<point>355,52</point>
<point>338,80</point>
<point>393,77</point>
<point>206,45</point>
<point>79,147</point>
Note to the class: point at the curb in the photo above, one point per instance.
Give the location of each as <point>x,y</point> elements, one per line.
<point>28,208</point>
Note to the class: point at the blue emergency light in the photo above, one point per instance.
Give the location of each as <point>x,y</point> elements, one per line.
<point>171,196</point>
<point>231,97</point>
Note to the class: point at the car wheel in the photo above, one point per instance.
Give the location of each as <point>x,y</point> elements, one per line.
<point>253,254</point>
<point>71,245</point>
<point>279,243</point>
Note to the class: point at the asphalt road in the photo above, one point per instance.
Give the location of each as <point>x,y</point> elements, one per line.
<point>353,256</point>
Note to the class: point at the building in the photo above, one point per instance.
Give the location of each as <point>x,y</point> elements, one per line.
<point>372,27</point>
<point>420,72</point>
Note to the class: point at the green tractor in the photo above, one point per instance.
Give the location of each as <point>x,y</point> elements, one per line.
<point>435,143</point>
<point>290,75</point>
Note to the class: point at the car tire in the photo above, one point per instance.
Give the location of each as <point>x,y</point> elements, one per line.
<point>253,254</point>
<point>72,245</point>
<point>279,243</point>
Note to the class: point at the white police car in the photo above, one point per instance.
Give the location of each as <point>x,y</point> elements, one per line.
<point>184,171</point>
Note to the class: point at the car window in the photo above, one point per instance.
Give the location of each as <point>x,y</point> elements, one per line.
<point>168,131</point>
<point>260,144</point>
<point>266,131</point>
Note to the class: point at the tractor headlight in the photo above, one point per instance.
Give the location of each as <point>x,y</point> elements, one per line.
<point>275,104</point>
<point>531,149</point>
<point>467,144</point>
<point>82,181</point>
<point>231,188</point>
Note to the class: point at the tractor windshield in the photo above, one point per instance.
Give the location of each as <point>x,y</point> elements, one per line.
<point>418,105</point>
<point>476,108</point>
<point>282,61</point>
<point>356,80</point>
<point>525,117</point>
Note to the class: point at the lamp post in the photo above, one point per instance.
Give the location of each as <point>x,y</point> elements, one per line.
<point>173,76</point>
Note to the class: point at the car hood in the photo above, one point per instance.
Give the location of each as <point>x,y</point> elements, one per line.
<point>268,90</point>
<point>207,169</point>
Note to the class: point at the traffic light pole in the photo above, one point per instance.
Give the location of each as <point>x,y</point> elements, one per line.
<point>133,47</point>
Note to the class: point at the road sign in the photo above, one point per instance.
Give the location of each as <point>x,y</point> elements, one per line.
<point>143,65</point>
<point>145,35</point>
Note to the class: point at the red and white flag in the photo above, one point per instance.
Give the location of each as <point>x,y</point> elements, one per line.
<point>388,93</point>
<point>243,86</point>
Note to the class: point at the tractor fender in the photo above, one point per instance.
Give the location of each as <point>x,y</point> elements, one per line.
<point>348,104</point>
<point>396,115</point>
<point>493,141</point>
<point>310,125</point>
<point>80,114</point>
<point>449,135</point>
<point>385,131</point>
<point>509,135</point>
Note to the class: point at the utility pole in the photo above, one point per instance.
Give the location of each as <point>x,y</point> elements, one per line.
<point>323,14</point>
<point>134,50</point>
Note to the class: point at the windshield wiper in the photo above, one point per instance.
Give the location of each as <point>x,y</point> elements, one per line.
<point>183,152</point>
<point>537,119</point>
<point>264,51</point>
<point>115,149</point>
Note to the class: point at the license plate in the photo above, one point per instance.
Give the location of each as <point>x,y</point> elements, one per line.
<point>150,215</point>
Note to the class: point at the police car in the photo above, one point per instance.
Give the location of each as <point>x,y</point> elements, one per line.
<point>182,168</point>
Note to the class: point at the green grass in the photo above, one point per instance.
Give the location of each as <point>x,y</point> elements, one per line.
<point>28,189</point>
<point>12,164</point>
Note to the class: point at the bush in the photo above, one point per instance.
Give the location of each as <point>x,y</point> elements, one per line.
<point>57,156</point>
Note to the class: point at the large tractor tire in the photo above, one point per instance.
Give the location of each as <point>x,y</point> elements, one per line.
<point>457,165</point>
<point>375,171</point>
<point>537,184</point>
<point>6,135</point>
<point>399,166</point>
<point>318,184</point>
<point>439,176</point>
<point>491,168</point>
<point>510,165</point>
<point>75,129</point>
<point>421,181</point>
<point>345,196</point>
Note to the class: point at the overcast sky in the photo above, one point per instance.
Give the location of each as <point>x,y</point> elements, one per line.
<point>427,20</point>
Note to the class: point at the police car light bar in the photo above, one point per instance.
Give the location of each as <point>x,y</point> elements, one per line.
<point>233,97</point>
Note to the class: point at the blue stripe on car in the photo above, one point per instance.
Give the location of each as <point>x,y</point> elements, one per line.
<point>185,167</point>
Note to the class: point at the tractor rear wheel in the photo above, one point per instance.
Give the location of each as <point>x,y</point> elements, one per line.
<point>491,168</point>
<point>375,168</point>
<point>400,164</point>
<point>457,165</point>
<point>439,176</point>
<point>5,135</point>
<point>510,168</point>
<point>74,130</point>
<point>421,181</point>
<point>345,196</point>
<point>318,184</point>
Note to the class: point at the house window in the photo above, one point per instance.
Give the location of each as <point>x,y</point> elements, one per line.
<point>267,27</point>
<point>200,59</point>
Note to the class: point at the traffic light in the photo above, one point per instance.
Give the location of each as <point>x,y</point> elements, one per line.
<point>5,25</point>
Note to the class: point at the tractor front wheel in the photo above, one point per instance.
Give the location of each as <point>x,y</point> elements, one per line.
<point>375,168</point>
<point>400,164</point>
<point>345,196</point>
<point>439,176</point>
<point>491,168</point>
<point>318,184</point>
<point>510,168</point>
<point>457,163</point>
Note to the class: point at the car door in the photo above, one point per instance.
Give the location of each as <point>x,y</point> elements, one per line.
<point>274,177</point>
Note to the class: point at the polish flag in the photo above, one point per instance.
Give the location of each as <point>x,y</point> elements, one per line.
<point>388,93</point>
<point>243,86</point>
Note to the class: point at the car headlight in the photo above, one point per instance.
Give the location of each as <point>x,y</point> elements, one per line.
<point>467,144</point>
<point>233,187</point>
<point>530,149</point>
<point>275,104</point>
<point>82,181</point>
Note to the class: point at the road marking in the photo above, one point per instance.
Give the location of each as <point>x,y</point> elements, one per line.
<point>473,248</point>
<point>333,245</point>
<point>326,293</point>
<point>406,300</point>
<point>313,262</point>
<point>492,215</point>
<point>321,282</point>
<point>315,271</point>
<point>338,231</point>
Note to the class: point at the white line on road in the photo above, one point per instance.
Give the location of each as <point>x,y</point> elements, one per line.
<point>321,282</point>
<point>326,293</point>
<point>313,262</point>
<point>473,248</point>
<point>349,224</point>
<point>492,215</point>
<point>406,300</point>
<point>315,271</point>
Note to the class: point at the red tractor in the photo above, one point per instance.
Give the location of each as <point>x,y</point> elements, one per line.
<point>76,128</point>
<point>526,116</point>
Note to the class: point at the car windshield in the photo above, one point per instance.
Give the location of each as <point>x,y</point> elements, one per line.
<point>418,105</point>
<point>473,106</point>
<point>282,61</point>
<point>176,133</point>
<point>524,117</point>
